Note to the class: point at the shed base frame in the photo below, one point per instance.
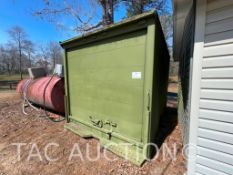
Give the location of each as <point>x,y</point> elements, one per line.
<point>130,151</point>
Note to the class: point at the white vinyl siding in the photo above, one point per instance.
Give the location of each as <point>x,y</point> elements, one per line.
<point>219,38</point>
<point>216,115</point>
<point>216,165</point>
<point>217,83</point>
<point>217,5</point>
<point>215,109</point>
<point>215,135</point>
<point>217,62</point>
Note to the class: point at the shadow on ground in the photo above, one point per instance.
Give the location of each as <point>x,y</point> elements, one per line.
<point>168,120</point>
<point>167,124</point>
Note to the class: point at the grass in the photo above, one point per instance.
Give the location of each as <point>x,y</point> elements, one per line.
<point>5,77</point>
<point>11,77</point>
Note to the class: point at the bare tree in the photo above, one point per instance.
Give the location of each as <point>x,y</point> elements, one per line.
<point>8,58</point>
<point>43,57</point>
<point>55,52</point>
<point>29,48</point>
<point>83,20</point>
<point>42,63</point>
<point>44,52</point>
<point>167,25</point>
<point>18,36</point>
<point>2,66</point>
<point>74,9</point>
<point>4,58</point>
<point>135,7</point>
<point>107,11</point>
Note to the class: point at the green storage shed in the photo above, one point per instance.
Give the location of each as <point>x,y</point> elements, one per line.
<point>116,84</point>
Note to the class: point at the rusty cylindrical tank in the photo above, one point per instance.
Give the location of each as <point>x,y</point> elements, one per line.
<point>46,92</point>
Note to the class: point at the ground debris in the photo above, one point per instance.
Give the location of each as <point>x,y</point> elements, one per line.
<point>18,128</point>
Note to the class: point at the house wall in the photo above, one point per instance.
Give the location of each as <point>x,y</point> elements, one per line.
<point>186,54</point>
<point>181,9</point>
<point>211,115</point>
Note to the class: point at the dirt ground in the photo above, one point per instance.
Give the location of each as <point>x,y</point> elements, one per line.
<point>34,129</point>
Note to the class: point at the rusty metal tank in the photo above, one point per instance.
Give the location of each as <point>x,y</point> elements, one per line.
<point>46,92</point>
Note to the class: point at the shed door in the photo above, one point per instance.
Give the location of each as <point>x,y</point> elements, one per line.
<point>106,82</point>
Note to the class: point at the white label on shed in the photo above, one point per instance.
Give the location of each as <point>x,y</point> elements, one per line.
<point>136,75</point>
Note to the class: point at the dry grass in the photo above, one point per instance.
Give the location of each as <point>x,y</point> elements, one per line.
<point>4,77</point>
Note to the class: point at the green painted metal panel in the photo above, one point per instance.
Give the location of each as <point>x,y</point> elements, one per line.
<point>102,85</point>
<point>116,83</point>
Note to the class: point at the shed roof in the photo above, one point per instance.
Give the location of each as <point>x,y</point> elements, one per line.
<point>110,27</point>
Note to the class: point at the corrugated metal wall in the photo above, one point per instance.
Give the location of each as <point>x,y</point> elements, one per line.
<point>215,125</point>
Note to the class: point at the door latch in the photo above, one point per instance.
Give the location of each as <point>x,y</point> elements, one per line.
<point>96,122</point>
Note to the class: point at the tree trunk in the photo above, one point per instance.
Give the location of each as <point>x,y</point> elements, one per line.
<point>20,65</point>
<point>8,69</point>
<point>20,60</point>
<point>110,12</point>
<point>54,61</point>
<point>107,9</point>
<point>29,58</point>
<point>138,4</point>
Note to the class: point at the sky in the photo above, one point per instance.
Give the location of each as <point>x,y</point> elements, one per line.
<point>19,12</point>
